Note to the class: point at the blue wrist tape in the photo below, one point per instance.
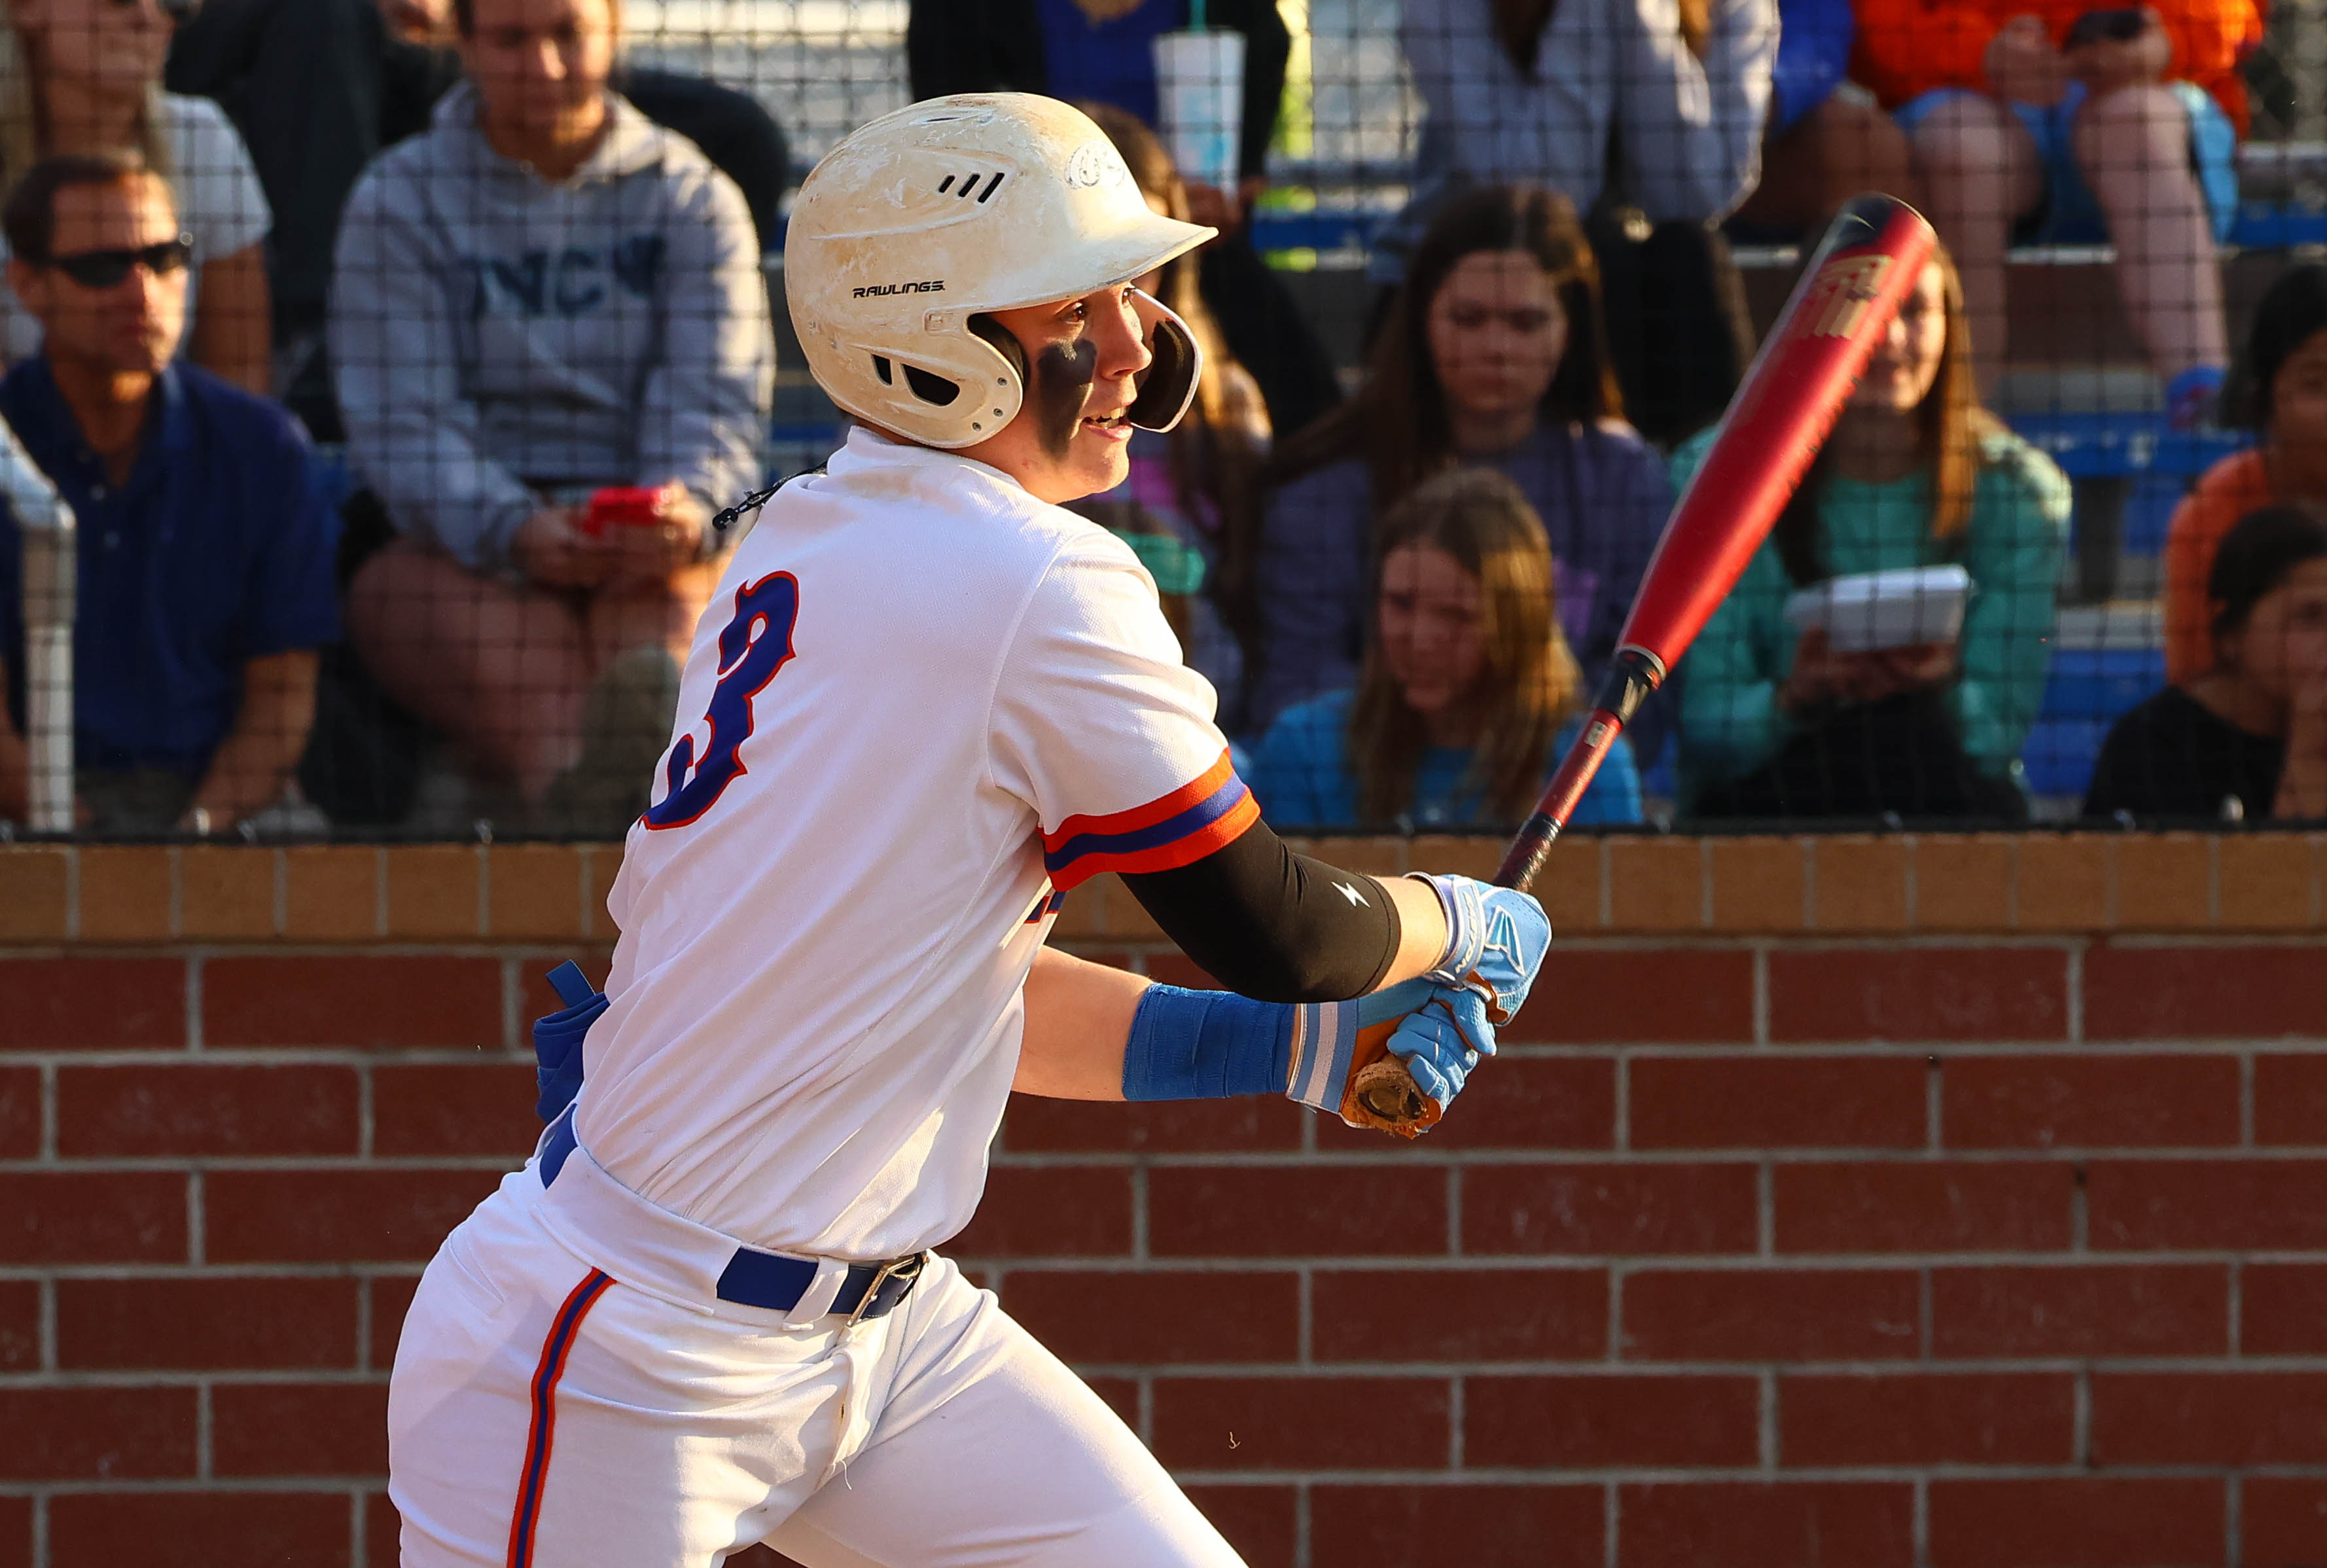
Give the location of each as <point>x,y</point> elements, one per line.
<point>1205,1045</point>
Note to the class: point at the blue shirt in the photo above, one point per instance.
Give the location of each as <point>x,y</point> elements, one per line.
<point>217,550</point>
<point>1302,777</point>
<point>1111,62</point>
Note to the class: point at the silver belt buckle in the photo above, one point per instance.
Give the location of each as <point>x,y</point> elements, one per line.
<point>908,1266</point>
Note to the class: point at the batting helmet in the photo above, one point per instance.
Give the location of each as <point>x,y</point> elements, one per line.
<point>926,218</point>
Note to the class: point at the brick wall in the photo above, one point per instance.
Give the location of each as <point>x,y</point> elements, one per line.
<point>1846,1202</point>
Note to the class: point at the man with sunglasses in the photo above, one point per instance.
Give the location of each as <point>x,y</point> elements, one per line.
<point>206,551</point>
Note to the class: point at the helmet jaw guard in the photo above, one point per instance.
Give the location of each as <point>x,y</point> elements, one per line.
<point>1168,386</point>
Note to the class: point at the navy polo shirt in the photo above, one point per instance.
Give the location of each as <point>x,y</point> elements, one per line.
<point>217,550</point>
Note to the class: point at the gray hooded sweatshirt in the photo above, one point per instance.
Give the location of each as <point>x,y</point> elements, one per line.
<point>501,341</point>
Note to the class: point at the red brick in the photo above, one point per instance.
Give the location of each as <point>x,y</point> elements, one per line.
<point>1057,1211</point>
<point>1531,1314</point>
<point>299,1429</point>
<point>1770,1315</point>
<point>383,1532</point>
<point>1534,1102</point>
<point>536,995</point>
<point>2290,1100</point>
<point>1743,1102</point>
<point>1919,994</point>
<point>199,1325</point>
<point>2284,1520</point>
<point>1179,970</point>
<point>1259,1122</point>
<point>92,1217</point>
<point>2259,1205</point>
<point>200,1529</point>
<point>396,1214</point>
<point>20,1112</point>
<point>2283,1309</point>
<point>2209,1418</point>
<point>391,1298</point>
<point>1629,1210</point>
<point>184,1108</point>
<point>480,1108</point>
<point>1431,1527</point>
<point>1665,996</point>
<point>1802,1524</point>
<point>19,1326</point>
<point>1597,1423</point>
<point>1092,1316</point>
<point>50,1003</point>
<point>1296,1212</point>
<point>1924,1206</point>
<point>2227,993</point>
<point>1257,1521</point>
<point>2054,1102</point>
<point>2081,1310</point>
<point>1273,1423</point>
<point>352,1001</point>
<point>1926,1419</point>
<point>16,1533</point>
<point>1121,1395</point>
<point>2076,1522</point>
<point>54,1434</point>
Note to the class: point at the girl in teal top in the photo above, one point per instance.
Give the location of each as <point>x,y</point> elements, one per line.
<point>1469,692</point>
<point>1773,723</point>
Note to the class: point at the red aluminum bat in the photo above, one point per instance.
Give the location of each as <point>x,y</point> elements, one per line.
<point>1868,263</point>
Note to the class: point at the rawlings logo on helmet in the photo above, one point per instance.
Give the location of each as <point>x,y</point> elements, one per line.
<point>881,290</point>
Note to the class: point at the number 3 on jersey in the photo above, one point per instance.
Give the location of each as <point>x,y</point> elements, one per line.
<point>753,646</point>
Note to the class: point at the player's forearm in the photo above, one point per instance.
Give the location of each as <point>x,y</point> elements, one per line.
<point>1421,930</point>
<point>1078,1017</point>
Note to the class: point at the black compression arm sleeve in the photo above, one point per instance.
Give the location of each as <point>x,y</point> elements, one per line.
<point>1273,925</point>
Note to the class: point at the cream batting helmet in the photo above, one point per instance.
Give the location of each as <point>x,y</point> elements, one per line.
<point>948,209</point>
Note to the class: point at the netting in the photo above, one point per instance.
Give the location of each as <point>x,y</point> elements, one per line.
<point>384,503</point>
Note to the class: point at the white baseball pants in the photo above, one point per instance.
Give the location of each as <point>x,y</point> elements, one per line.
<point>569,1393</point>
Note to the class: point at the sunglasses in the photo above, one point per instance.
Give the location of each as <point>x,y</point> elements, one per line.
<point>106,268</point>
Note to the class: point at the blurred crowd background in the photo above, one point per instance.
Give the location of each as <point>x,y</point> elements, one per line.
<point>395,363</point>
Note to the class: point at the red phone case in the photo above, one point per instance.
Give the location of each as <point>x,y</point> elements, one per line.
<point>621,506</point>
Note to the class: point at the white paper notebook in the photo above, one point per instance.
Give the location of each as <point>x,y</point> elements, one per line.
<point>1868,611</point>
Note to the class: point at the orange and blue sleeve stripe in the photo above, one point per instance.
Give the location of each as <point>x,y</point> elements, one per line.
<point>1183,826</point>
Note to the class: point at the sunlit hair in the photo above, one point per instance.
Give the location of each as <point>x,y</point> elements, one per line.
<point>1528,679</point>
<point>20,113</point>
<point>1950,424</point>
<point>1399,421</point>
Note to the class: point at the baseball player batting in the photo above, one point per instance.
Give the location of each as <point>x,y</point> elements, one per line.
<point>925,703</point>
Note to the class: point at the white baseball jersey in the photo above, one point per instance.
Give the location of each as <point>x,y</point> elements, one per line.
<point>922,704</point>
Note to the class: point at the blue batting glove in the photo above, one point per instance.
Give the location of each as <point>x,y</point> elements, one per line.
<point>1442,1039</point>
<point>1496,938</point>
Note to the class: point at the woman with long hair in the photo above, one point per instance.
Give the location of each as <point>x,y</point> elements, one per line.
<point>1468,693</point>
<point>1917,473</point>
<point>1188,504</point>
<point>1493,355</point>
<point>85,76</point>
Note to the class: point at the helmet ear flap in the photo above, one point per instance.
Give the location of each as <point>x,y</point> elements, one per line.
<point>1003,342</point>
<point>1168,386</point>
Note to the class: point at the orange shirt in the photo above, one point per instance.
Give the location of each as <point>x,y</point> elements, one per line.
<point>1908,47</point>
<point>2231,490</point>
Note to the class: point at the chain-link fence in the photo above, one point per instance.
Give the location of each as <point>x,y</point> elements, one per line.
<point>367,461</point>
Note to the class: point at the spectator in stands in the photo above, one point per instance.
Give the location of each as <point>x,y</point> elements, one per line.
<point>85,76</point>
<point>205,552</point>
<point>1916,473</point>
<point>1674,97</point>
<point>543,295</point>
<point>2062,123</point>
<point>1494,355</point>
<point>317,87</point>
<point>1187,487</point>
<point>1827,139</point>
<point>1469,694</point>
<point>1103,50</point>
<point>2246,737</point>
<point>2278,389</point>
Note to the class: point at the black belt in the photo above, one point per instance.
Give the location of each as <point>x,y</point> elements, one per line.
<point>769,1280</point>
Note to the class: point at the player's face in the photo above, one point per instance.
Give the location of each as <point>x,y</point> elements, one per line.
<point>1083,357</point>
<point>1432,627</point>
<point>1496,332</point>
<point>2282,649</point>
<point>1904,364</point>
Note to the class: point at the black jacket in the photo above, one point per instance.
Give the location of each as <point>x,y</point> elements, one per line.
<point>996,46</point>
